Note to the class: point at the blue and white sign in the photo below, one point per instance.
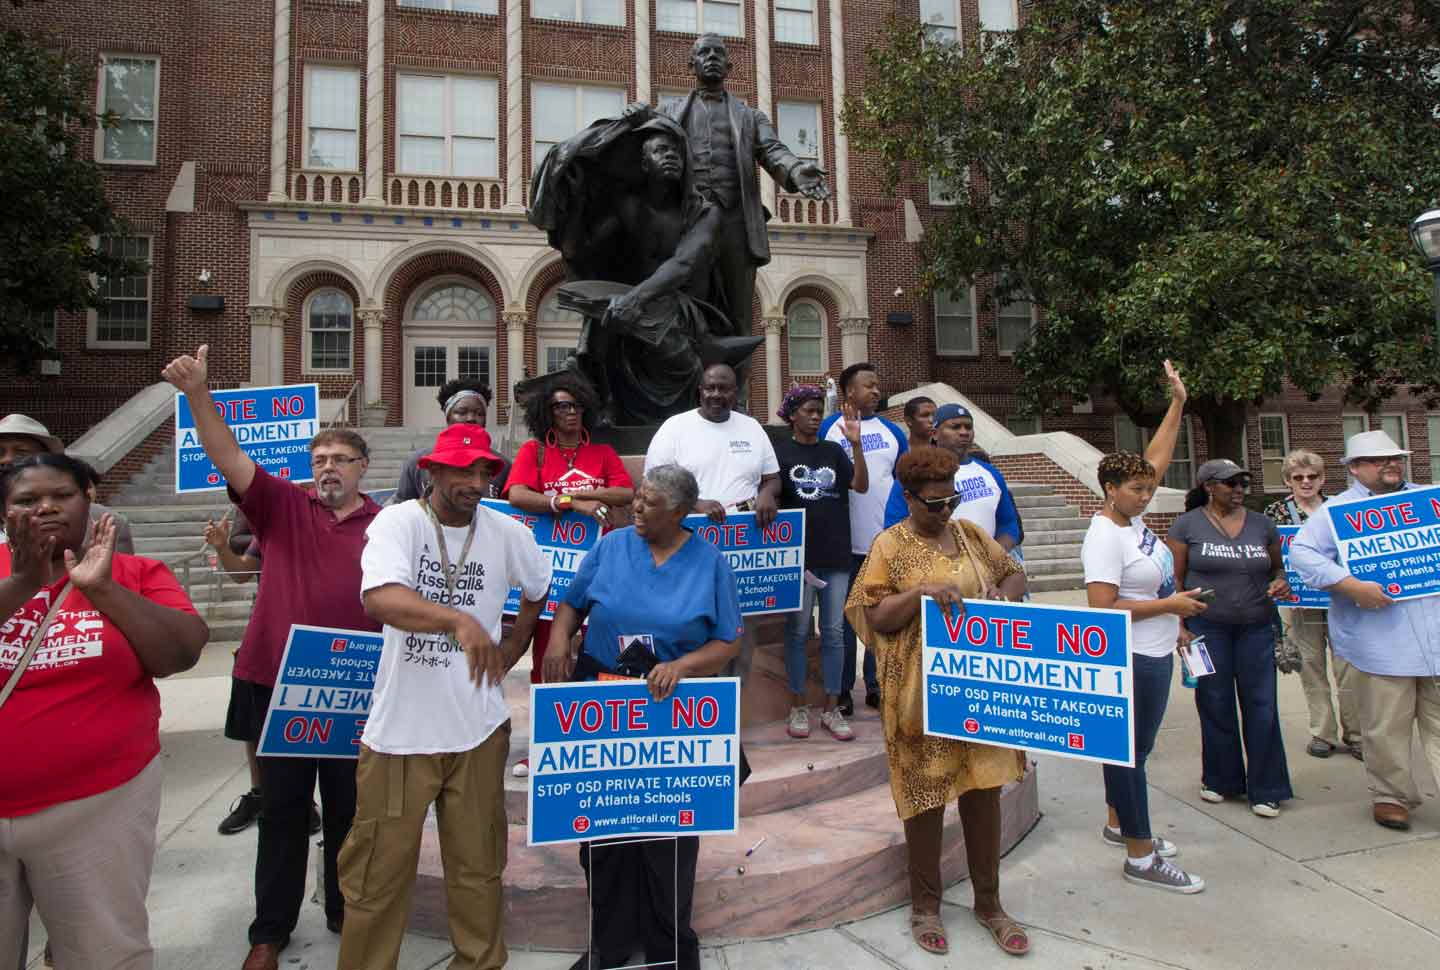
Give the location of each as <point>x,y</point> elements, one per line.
<point>1301,596</point>
<point>1392,539</point>
<point>322,696</point>
<point>769,563</point>
<point>273,425</point>
<point>606,760</point>
<point>1032,676</point>
<point>565,540</point>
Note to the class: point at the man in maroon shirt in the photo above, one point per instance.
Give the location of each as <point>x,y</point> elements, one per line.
<point>311,542</point>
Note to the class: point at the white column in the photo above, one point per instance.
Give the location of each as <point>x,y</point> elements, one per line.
<point>854,340</point>
<point>373,319</point>
<point>261,318</point>
<point>375,104</point>
<point>514,108</point>
<point>762,89</point>
<point>515,321</point>
<point>840,166</point>
<point>773,327</point>
<point>642,50</point>
<point>280,103</point>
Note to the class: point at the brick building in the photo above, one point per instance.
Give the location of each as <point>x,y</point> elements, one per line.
<point>335,191</point>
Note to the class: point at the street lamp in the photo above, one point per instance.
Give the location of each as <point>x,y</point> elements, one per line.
<point>1425,233</point>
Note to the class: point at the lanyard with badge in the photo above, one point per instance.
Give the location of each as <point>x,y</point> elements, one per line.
<point>449,571</point>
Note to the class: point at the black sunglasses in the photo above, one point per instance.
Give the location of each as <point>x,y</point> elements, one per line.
<point>566,407</point>
<point>937,505</point>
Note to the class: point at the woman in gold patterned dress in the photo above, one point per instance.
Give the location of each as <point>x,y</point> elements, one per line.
<point>930,554</point>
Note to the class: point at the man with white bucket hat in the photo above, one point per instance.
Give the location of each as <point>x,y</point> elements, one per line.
<point>1394,645</point>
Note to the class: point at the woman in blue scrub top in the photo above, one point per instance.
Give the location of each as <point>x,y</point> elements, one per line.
<point>657,585</point>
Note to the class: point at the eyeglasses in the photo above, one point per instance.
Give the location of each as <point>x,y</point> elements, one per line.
<point>1387,460</point>
<point>1236,482</point>
<point>341,462</point>
<point>938,505</point>
<point>566,407</point>
<point>1305,478</point>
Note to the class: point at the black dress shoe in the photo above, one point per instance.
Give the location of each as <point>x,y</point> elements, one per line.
<point>846,705</point>
<point>243,813</point>
<point>872,699</point>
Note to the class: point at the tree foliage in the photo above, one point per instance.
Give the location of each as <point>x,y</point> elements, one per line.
<point>54,198</point>
<point>1227,183</point>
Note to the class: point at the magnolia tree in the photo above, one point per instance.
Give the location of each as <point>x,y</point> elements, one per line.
<point>1226,183</point>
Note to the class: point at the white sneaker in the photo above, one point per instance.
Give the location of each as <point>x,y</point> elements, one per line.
<point>799,724</point>
<point>1209,795</point>
<point>521,769</point>
<point>1266,809</point>
<point>836,724</point>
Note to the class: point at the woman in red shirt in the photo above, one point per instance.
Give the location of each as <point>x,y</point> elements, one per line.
<point>80,727</point>
<point>560,470</point>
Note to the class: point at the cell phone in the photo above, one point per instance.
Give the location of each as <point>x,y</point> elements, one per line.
<point>1206,596</point>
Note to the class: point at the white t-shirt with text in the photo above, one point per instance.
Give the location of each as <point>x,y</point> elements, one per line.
<point>883,443</point>
<point>424,700</point>
<point>726,457</point>
<point>1136,562</point>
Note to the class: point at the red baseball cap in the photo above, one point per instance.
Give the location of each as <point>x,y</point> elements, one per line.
<point>460,446</point>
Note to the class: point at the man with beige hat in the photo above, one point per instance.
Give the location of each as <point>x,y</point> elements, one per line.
<point>1395,646</point>
<point>22,436</point>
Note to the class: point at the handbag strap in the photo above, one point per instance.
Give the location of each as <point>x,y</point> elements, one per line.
<point>34,644</point>
<point>983,575</point>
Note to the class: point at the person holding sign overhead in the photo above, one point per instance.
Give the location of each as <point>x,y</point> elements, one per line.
<point>437,571</point>
<point>311,539</point>
<point>1233,556</point>
<point>1395,646</point>
<point>1127,567</point>
<point>930,554</point>
<point>694,632</point>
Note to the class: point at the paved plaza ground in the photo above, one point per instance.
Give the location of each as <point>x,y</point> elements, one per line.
<point>1320,887</point>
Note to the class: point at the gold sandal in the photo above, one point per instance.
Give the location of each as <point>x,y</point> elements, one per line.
<point>1009,935</point>
<point>929,933</point>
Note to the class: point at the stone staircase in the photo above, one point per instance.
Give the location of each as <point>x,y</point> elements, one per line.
<point>1054,532</point>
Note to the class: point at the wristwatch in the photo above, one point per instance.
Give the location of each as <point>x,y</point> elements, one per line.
<point>565,502</point>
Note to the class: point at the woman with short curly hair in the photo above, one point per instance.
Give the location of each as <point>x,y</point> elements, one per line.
<point>930,554</point>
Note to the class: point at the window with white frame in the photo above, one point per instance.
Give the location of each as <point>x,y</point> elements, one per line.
<point>1014,321</point>
<point>329,332</point>
<point>955,322</point>
<point>1023,424</point>
<point>799,128</point>
<point>795,21</point>
<point>332,118</point>
<point>558,111</point>
<point>1274,446</point>
<point>459,6</point>
<point>1131,437</point>
<point>130,91</point>
<point>446,125</point>
<point>805,337</point>
<point>999,15</point>
<point>611,12</point>
<point>454,302</point>
<point>557,334</point>
<point>124,320</point>
<point>943,193</point>
<point>668,101</point>
<point>941,19</point>
<point>701,16</point>
<point>43,323</point>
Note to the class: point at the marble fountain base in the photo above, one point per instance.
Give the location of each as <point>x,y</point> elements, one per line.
<point>834,850</point>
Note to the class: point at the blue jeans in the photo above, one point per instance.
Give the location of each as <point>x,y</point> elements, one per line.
<point>1244,656</point>
<point>847,676</point>
<point>832,617</point>
<point>1126,789</point>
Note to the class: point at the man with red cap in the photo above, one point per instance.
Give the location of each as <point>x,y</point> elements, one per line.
<point>437,571</point>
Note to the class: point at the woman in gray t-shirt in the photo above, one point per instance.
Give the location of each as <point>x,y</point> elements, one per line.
<point>1220,545</point>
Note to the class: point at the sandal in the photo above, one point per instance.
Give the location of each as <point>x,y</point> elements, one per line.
<point>1009,935</point>
<point>929,933</point>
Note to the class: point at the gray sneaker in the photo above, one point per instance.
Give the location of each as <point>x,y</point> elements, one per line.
<point>799,723</point>
<point>1164,848</point>
<point>1164,875</point>
<point>834,722</point>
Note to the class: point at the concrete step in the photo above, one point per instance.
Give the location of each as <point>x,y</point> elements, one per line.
<point>1043,521</point>
<point>1052,504</point>
<point>1059,550</point>
<point>1055,581</point>
<point>1043,537</point>
<point>1030,488</point>
<point>1051,567</point>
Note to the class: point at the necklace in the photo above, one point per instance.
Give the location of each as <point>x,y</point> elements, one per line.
<point>1219,523</point>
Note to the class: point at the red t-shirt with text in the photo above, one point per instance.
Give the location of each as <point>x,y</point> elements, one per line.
<point>595,466</point>
<point>85,716</point>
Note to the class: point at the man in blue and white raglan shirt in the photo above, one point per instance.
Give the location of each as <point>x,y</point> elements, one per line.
<point>984,497</point>
<point>884,442</point>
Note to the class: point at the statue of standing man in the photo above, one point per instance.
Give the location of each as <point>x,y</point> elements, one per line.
<point>726,138</point>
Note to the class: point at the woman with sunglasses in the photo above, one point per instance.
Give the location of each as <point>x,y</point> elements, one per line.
<point>560,470</point>
<point>1304,474</point>
<point>930,554</point>
<point>1233,555</point>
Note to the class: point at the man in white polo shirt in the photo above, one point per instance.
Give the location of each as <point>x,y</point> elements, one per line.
<point>436,572</point>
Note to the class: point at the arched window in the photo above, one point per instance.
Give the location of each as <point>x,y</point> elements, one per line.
<point>805,333</point>
<point>558,333</point>
<point>452,302</point>
<point>329,332</point>
<point>450,334</point>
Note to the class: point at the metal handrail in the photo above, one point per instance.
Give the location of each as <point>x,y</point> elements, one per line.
<point>342,416</point>
<point>216,579</point>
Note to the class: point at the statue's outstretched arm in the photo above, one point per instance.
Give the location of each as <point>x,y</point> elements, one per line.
<point>694,249</point>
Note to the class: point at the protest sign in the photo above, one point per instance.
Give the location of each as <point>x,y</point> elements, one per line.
<point>273,425</point>
<point>1301,596</point>
<point>1391,539</point>
<point>769,563</point>
<point>1027,675</point>
<point>565,540</point>
<point>606,760</point>
<point>322,696</point>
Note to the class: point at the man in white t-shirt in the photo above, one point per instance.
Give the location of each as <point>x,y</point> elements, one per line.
<point>884,442</point>
<point>733,462</point>
<point>437,571</point>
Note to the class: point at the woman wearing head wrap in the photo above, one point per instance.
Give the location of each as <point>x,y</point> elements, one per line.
<point>818,476</point>
<point>463,402</point>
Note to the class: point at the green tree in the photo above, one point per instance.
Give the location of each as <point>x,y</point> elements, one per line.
<point>1227,183</point>
<point>54,198</point>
